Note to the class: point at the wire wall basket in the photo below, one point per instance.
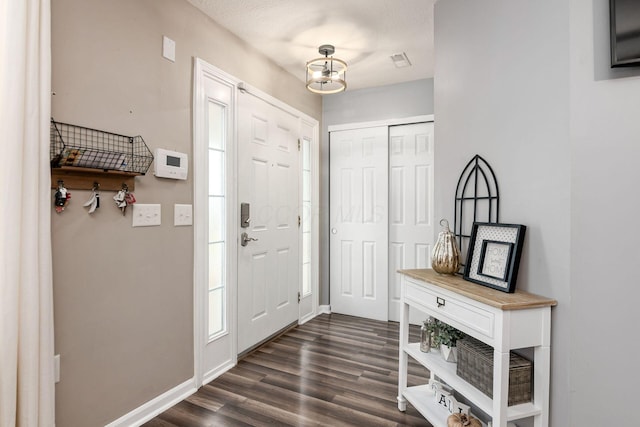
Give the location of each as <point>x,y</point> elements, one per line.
<point>80,147</point>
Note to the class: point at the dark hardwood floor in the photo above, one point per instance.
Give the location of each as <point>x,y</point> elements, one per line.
<point>335,370</point>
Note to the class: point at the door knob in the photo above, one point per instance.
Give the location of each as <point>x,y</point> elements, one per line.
<point>245,239</point>
<point>334,231</point>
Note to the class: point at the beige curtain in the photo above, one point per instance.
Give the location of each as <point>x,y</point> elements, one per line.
<point>26,301</point>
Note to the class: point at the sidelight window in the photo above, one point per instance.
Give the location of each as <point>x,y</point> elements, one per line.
<point>217,219</point>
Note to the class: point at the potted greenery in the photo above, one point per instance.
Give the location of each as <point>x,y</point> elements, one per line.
<point>447,337</point>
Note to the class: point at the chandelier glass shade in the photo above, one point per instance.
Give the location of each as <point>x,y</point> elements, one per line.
<point>327,74</point>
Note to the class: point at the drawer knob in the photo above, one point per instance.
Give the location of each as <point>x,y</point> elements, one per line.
<point>440,302</point>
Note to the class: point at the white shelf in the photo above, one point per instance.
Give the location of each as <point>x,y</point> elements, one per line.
<point>423,400</point>
<point>446,371</point>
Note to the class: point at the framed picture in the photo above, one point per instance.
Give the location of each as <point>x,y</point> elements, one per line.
<point>494,255</point>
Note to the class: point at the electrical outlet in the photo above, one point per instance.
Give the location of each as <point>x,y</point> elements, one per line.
<point>182,215</point>
<point>146,215</point>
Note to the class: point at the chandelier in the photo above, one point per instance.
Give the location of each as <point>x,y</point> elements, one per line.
<point>326,75</point>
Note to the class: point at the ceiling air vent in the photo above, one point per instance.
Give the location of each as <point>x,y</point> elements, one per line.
<point>400,60</point>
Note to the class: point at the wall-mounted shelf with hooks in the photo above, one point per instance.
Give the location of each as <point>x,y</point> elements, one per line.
<point>81,156</point>
<point>76,178</point>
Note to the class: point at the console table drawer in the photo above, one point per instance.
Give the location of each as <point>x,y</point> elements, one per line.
<point>471,316</point>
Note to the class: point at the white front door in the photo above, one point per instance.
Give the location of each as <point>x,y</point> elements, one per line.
<point>268,177</point>
<point>411,223</point>
<point>358,222</point>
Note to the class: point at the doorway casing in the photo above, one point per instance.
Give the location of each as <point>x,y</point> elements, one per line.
<point>308,129</point>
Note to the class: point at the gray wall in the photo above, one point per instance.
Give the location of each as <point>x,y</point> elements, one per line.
<point>385,102</point>
<point>502,91</point>
<point>123,296</point>
<point>605,148</point>
<point>527,86</point>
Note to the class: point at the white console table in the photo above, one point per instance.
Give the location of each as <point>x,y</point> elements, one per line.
<point>502,320</point>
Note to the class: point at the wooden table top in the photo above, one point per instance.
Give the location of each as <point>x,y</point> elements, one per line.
<point>505,301</point>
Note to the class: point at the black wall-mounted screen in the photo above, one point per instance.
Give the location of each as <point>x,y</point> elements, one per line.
<point>625,33</point>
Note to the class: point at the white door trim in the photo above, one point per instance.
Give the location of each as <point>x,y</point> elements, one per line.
<point>386,122</point>
<point>245,87</point>
<point>202,70</point>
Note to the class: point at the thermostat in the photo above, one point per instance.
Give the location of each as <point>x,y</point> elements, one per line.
<point>171,164</point>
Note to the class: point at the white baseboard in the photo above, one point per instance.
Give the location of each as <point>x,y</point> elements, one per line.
<point>216,372</point>
<point>144,413</point>
<point>324,309</point>
<point>305,319</point>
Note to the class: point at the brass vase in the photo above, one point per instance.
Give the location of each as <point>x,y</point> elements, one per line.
<point>445,258</point>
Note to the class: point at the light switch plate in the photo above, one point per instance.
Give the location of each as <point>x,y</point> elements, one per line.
<point>56,368</point>
<point>168,49</point>
<point>146,215</point>
<point>182,215</point>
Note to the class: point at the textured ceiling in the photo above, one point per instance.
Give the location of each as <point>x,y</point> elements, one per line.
<point>365,33</point>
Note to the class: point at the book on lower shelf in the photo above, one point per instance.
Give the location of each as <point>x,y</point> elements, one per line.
<point>95,159</point>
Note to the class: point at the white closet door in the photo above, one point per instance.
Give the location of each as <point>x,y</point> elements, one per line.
<point>411,222</point>
<point>359,222</point>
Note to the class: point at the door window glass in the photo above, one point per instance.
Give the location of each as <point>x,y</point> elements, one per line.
<point>217,230</point>
<point>306,216</point>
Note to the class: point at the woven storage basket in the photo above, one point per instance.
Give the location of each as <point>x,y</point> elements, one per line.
<point>475,365</point>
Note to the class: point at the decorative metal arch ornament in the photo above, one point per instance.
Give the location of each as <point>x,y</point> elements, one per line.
<point>477,200</point>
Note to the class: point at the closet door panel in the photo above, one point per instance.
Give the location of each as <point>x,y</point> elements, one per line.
<point>358,241</point>
<point>411,222</point>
